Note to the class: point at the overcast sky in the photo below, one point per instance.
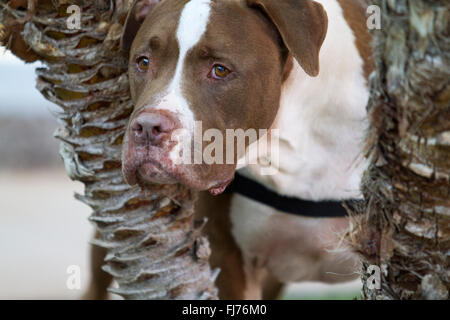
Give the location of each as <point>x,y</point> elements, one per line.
<point>18,94</point>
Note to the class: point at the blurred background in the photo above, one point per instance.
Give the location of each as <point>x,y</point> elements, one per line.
<point>43,230</point>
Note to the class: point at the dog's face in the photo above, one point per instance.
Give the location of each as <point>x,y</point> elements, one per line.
<point>215,63</point>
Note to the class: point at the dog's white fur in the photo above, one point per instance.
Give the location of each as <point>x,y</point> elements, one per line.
<point>193,22</point>
<point>322,124</point>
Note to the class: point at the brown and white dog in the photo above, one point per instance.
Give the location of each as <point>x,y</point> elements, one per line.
<point>254,64</point>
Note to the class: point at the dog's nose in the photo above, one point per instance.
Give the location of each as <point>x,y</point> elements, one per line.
<point>151,128</point>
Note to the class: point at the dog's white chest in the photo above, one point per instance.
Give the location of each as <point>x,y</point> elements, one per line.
<point>291,248</point>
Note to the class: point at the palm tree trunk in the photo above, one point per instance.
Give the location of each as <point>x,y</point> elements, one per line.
<point>155,249</point>
<point>405,229</point>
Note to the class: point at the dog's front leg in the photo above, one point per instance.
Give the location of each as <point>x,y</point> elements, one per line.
<point>225,255</point>
<point>100,280</point>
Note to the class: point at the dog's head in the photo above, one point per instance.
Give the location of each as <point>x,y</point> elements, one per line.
<point>204,65</point>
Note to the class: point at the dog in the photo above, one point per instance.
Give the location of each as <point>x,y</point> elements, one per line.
<point>299,67</point>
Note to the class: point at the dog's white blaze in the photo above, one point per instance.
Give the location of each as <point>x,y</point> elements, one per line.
<point>191,27</point>
<point>193,22</point>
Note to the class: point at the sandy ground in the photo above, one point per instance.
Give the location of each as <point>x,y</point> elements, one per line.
<point>41,235</point>
<point>44,231</point>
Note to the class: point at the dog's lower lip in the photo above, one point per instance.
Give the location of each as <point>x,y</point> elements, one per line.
<point>153,172</point>
<point>220,188</point>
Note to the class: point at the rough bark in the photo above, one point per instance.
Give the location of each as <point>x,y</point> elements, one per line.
<point>155,249</point>
<point>405,226</point>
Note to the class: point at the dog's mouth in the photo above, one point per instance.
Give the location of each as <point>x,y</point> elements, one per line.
<point>144,165</point>
<point>147,172</point>
<point>155,172</point>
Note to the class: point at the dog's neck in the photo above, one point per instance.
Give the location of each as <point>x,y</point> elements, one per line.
<point>322,121</point>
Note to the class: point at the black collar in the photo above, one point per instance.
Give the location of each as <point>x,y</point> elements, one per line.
<point>258,192</point>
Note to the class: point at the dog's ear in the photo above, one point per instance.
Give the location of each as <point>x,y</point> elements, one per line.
<point>136,16</point>
<point>302,25</point>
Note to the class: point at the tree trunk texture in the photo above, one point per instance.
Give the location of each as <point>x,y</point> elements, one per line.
<point>405,226</point>
<point>155,248</point>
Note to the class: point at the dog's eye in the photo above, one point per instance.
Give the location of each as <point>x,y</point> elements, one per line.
<point>220,72</point>
<point>143,64</point>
